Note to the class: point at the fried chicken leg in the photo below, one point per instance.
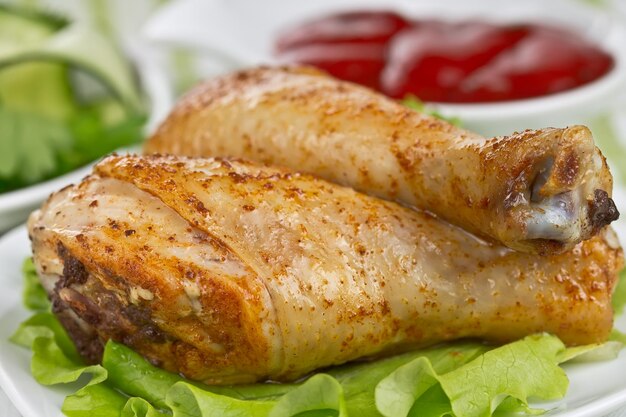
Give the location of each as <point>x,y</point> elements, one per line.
<point>231,272</point>
<point>536,191</point>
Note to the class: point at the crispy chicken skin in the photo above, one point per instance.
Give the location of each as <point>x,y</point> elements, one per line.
<point>536,191</point>
<point>231,272</point>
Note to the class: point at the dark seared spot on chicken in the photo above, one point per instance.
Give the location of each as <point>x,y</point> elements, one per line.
<point>602,210</point>
<point>198,205</point>
<point>92,314</point>
<point>141,318</point>
<point>239,178</point>
<point>86,340</point>
<point>84,307</point>
<point>74,271</point>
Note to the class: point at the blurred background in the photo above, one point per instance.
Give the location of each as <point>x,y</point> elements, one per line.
<point>82,78</point>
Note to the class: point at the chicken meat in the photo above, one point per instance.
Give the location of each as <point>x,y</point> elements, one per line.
<point>535,191</point>
<point>232,272</point>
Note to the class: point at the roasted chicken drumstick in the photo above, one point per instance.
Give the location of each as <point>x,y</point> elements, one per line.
<point>231,272</point>
<point>535,191</point>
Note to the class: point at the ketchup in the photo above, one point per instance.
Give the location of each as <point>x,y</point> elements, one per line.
<point>349,28</point>
<point>361,64</point>
<point>350,46</point>
<point>447,62</point>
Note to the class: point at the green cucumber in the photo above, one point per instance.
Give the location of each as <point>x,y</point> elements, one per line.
<point>27,37</point>
<point>22,27</point>
<point>38,87</point>
<point>67,97</point>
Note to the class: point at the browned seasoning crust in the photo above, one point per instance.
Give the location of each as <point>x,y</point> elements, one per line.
<point>602,210</point>
<point>300,118</point>
<point>238,273</point>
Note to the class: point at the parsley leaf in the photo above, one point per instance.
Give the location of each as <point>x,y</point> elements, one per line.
<point>29,148</point>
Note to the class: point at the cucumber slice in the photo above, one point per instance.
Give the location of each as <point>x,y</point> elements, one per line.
<point>20,28</point>
<point>74,45</point>
<point>81,47</point>
<point>67,97</point>
<point>37,87</point>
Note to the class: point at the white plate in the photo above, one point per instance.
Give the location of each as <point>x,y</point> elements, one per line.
<point>595,390</point>
<point>15,205</point>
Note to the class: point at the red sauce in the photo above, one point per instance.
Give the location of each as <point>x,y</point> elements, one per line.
<point>348,28</point>
<point>438,61</point>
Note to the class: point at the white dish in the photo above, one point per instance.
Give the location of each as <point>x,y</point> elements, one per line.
<point>240,33</point>
<point>16,205</point>
<point>595,388</point>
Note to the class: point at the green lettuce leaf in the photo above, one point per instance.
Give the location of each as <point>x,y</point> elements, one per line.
<point>359,380</point>
<point>135,376</point>
<point>97,400</point>
<point>132,374</point>
<point>397,393</point>
<point>186,400</point>
<point>64,370</point>
<point>56,361</point>
<point>320,395</point>
<point>595,353</point>
<point>523,369</point>
<point>33,295</point>
<point>52,346</point>
<point>44,325</point>
<point>418,105</point>
<point>618,336</point>
<point>619,296</point>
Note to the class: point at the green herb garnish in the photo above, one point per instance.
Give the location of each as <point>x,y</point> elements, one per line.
<point>416,104</point>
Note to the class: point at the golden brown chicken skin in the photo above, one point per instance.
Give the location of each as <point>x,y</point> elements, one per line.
<point>231,272</point>
<point>536,191</point>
